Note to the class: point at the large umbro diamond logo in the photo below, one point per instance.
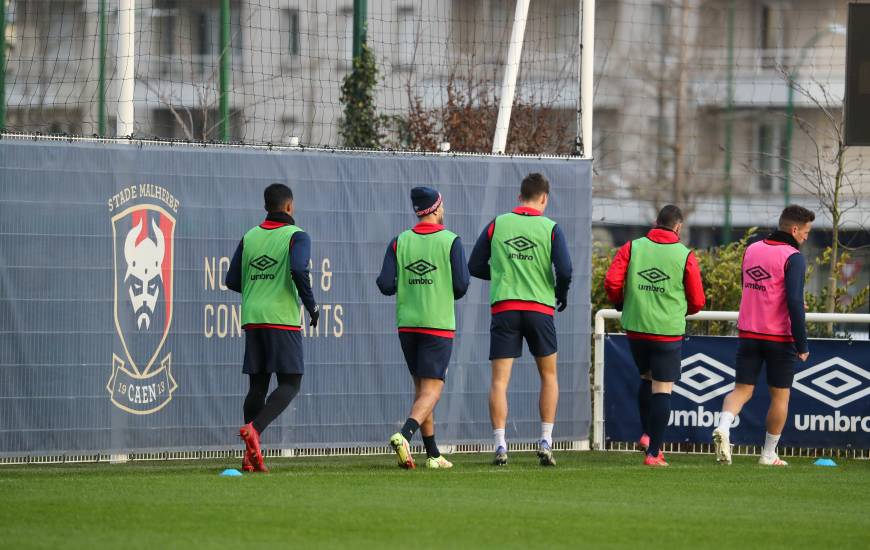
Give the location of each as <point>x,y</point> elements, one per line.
<point>420,267</point>
<point>520,244</point>
<point>835,382</point>
<point>704,378</point>
<point>758,274</point>
<point>263,262</point>
<point>654,275</point>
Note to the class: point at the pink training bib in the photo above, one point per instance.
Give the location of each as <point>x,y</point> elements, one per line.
<point>763,307</point>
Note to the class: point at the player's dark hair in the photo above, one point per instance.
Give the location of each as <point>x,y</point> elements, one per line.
<point>534,185</point>
<point>669,216</point>
<point>276,196</point>
<point>795,215</point>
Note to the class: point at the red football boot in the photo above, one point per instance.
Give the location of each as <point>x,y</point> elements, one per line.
<point>252,446</point>
<point>655,461</point>
<point>643,443</point>
<point>247,466</point>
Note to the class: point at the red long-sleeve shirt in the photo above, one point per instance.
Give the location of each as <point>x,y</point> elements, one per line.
<point>614,282</point>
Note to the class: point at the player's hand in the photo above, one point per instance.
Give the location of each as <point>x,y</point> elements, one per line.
<point>315,316</point>
<point>561,304</point>
<point>803,356</point>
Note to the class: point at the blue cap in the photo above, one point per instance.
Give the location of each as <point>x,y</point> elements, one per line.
<point>425,200</point>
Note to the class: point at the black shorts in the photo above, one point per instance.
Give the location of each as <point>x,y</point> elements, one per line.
<point>273,350</point>
<point>427,355</point>
<point>661,359</point>
<point>779,358</point>
<point>508,328</point>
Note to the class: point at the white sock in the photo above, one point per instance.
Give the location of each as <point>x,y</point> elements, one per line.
<point>499,438</point>
<point>725,420</point>
<point>770,442</point>
<point>547,432</point>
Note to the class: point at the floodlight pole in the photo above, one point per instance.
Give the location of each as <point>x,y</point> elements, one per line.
<point>126,65</point>
<point>509,84</point>
<point>587,74</point>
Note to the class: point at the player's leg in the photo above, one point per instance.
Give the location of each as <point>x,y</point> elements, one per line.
<point>278,401</point>
<point>539,331</point>
<point>781,359</point>
<point>747,366</point>
<point>498,406</point>
<point>427,389</point>
<point>547,403</point>
<point>256,367</point>
<point>400,441</point>
<point>664,362</point>
<point>432,362</point>
<point>505,344</point>
<point>255,400</point>
<point>641,354</point>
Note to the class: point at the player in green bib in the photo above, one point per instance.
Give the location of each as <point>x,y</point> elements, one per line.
<point>656,282</point>
<point>525,257</point>
<point>425,268</point>
<point>270,270</point>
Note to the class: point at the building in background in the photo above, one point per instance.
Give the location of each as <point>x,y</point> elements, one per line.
<point>663,68</point>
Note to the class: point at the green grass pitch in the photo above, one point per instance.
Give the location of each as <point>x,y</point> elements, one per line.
<point>591,500</point>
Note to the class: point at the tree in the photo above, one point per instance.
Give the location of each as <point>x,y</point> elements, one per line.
<point>828,173</point>
<point>468,118</point>
<point>360,126</point>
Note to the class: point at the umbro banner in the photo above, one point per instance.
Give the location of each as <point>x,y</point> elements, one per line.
<point>829,406</point>
<point>118,334</point>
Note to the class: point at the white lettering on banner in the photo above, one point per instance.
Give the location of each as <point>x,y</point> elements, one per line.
<point>222,321</point>
<point>831,423</point>
<point>215,272</point>
<point>698,418</point>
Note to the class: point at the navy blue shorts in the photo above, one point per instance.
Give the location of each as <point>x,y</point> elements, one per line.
<point>273,350</point>
<point>779,358</point>
<point>427,355</point>
<point>508,328</point>
<point>661,359</point>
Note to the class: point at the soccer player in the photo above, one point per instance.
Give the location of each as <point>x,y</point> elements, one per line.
<point>656,282</point>
<point>425,268</point>
<point>270,270</point>
<point>517,252</point>
<point>772,329</point>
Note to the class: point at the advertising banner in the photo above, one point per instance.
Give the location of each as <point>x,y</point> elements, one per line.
<point>829,405</point>
<point>118,333</point>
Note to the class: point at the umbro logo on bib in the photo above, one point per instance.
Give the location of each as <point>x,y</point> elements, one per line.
<point>262,263</point>
<point>520,244</point>
<point>757,274</point>
<point>420,268</point>
<point>653,275</point>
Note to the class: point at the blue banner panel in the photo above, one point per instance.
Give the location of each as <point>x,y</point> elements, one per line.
<point>118,333</point>
<point>829,406</point>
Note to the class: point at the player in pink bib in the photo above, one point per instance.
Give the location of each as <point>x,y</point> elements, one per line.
<point>772,326</point>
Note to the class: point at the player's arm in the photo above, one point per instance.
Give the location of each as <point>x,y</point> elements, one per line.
<point>233,280</point>
<point>389,270</point>
<point>614,281</point>
<point>561,259</point>
<point>459,268</point>
<point>300,257</point>
<point>795,274</point>
<point>695,298</point>
<point>478,263</point>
